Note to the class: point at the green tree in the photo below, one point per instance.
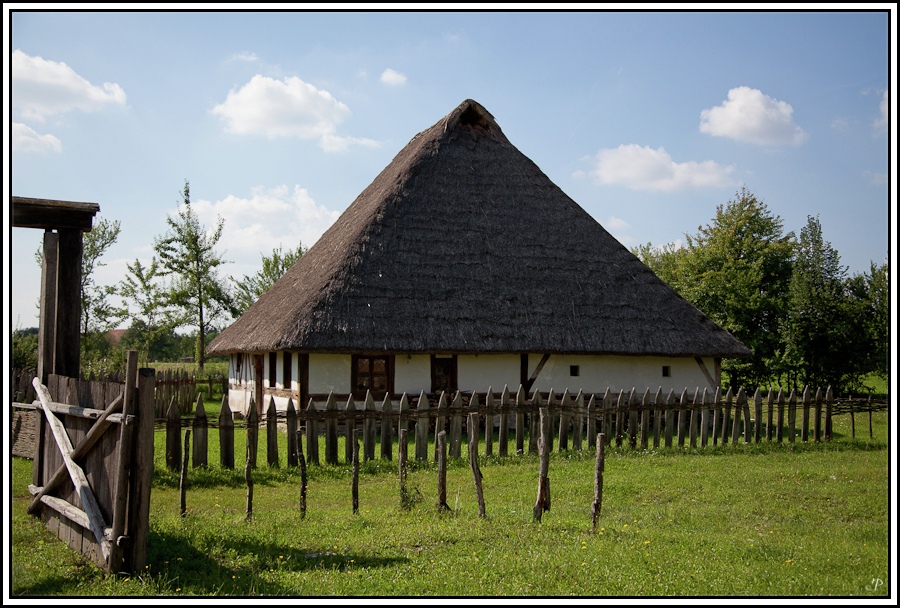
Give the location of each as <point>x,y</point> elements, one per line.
<point>149,308</point>
<point>869,294</point>
<point>736,270</point>
<point>187,253</point>
<point>821,336</point>
<point>248,290</point>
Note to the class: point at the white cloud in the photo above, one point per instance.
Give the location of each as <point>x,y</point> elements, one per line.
<point>617,224</point>
<point>643,168</point>
<point>43,88</point>
<point>26,139</point>
<point>392,78</point>
<point>269,217</point>
<point>286,108</point>
<point>750,116</point>
<point>245,56</point>
<point>875,178</point>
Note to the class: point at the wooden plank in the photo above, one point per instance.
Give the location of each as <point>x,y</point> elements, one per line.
<point>422,421</point>
<point>472,426</point>
<point>96,521</point>
<point>369,427</point>
<point>455,425</point>
<point>331,431</point>
<point>657,418</point>
<point>312,434</point>
<point>695,417</point>
<point>403,429</point>
<point>473,460</point>
<point>387,429</point>
<point>704,418</point>
<point>67,360</point>
<point>757,403</point>
<point>670,417</point>
<point>292,436</point>
<point>534,424</point>
<point>779,428</point>
<point>50,214</point>
<point>47,327</point>
<point>226,435</point>
<point>542,503</point>
<point>173,436</point>
<point>82,448</point>
<point>440,422</point>
<point>350,411</point>
<point>117,561</point>
<point>441,447</point>
<point>564,419</point>
<point>645,420</point>
<point>489,419</point>
<point>272,434</point>
<point>591,421</point>
<point>804,425</point>
<point>141,471</point>
<point>792,416</point>
<point>252,443</point>
<point>200,426</point>
<point>578,421</point>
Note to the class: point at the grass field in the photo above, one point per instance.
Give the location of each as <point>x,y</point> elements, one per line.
<point>730,521</point>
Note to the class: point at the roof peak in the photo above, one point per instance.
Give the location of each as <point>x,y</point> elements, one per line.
<point>471,114</point>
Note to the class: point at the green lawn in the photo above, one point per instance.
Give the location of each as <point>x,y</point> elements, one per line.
<point>735,520</point>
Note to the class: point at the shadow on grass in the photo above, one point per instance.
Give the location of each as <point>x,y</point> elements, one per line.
<point>182,567</point>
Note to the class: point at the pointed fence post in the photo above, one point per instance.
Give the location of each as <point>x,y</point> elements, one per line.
<point>606,415</point>
<point>387,429</point>
<point>173,436</point>
<point>422,422</point>
<point>489,422</point>
<point>744,406</point>
<point>704,418</point>
<point>757,403</point>
<point>404,429</point>
<point>312,433</point>
<point>290,416</point>
<point>770,410</point>
<point>621,412</point>
<point>534,424</point>
<point>564,418</point>
<point>440,421</point>
<point>350,410</point>
<point>252,437</point>
<point>226,435</point>
<point>657,418</point>
<point>736,423</point>
<point>473,457</point>
<point>598,481</point>
<point>551,404</point>
<point>503,427</point>
<point>591,416</point>
<point>543,495</point>
<point>670,416</point>
<point>829,400</point>
<point>472,425</point>
<point>441,458</point>
<point>645,419</point>
<point>792,416</point>
<point>272,434</point>
<point>817,412</point>
<point>354,489</point>
<point>456,425</point>
<point>369,427</point>
<point>331,430</point>
<point>804,425</point>
<point>779,428</point>
<point>578,421</point>
<point>201,439</point>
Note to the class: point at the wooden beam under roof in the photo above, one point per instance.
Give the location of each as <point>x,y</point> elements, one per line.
<point>53,214</point>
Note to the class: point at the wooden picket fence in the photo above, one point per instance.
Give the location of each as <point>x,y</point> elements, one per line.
<point>504,422</point>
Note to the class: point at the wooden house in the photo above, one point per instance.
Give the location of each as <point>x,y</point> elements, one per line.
<point>463,267</point>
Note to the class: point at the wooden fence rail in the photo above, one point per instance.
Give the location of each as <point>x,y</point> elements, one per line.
<point>639,421</point>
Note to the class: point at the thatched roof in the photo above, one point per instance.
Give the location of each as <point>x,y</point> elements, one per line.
<point>463,245</point>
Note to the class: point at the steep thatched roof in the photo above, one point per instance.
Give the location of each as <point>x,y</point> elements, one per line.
<point>462,244</point>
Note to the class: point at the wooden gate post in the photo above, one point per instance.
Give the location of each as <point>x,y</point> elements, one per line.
<point>142,471</point>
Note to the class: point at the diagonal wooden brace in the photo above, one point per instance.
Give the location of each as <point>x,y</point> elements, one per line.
<point>87,442</point>
<point>92,510</point>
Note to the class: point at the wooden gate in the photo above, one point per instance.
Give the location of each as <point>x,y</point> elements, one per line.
<point>93,467</point>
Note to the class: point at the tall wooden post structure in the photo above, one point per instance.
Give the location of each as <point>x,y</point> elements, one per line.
<point>63,222</point>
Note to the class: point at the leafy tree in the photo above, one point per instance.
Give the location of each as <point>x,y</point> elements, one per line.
<point>152,314</point>
<point>24,348</point>
<point>736,270</point>
<point>818,331</point>
<point>248,290</point>
<point>870,300</point>
<point>187,253</point>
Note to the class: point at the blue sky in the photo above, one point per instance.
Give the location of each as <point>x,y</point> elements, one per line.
<point>648,120</point>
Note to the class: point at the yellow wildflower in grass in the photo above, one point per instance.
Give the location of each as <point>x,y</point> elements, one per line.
<point>646,542</point>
